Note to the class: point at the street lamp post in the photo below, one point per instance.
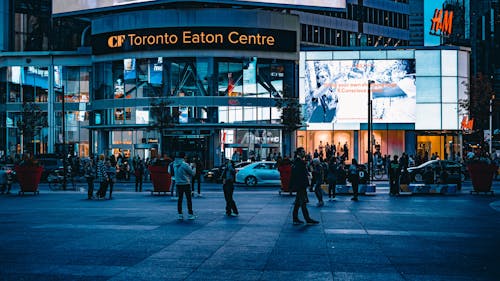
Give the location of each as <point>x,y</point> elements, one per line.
<point>491,125</point>
<point>64,138</point>
<point>369,150</point>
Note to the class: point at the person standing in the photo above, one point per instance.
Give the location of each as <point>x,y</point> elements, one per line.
<point>228,178</point>
<point>102,177</point>
<point>89,174</point>
<point>198,169</point>
<point>318,176</point>
<point>394,173</point>
<point>139,174</point>
<point>111,170</point>
<point>183,176</point>
<point>299,183</point>
<point>354,178</point>
<point>332,178</point>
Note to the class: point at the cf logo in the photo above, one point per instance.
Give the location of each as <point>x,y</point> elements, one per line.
<point>116,41</point>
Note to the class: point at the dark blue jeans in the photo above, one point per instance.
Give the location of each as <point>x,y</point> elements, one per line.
<point>181,190</point>
<point>300,203</point>
<point>228,188</point>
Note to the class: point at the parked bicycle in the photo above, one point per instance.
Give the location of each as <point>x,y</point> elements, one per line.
<point>56,180</point>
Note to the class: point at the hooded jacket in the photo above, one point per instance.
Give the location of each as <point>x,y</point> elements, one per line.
<point>183,173</point>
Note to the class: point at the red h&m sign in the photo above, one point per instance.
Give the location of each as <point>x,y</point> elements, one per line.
<point>442,22</point>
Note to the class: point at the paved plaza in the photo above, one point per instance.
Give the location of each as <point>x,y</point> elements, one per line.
<point>135,236</point>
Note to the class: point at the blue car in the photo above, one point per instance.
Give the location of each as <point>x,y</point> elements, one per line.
<point>262,173</point>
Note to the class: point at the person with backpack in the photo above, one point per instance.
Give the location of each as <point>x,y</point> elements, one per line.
<point>354,178</point>
<point>299,183</point>
<point>228,178</point>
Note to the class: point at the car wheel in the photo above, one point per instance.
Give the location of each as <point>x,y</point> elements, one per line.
<point>251,181</point>
<point>418,177</point>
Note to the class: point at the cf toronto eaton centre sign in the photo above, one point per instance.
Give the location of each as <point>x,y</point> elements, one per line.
<point>177,38</point>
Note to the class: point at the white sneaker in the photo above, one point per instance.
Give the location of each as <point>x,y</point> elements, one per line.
<point>191,217</point>
<point>180,217</point>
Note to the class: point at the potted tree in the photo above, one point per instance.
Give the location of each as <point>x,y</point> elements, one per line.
<point>291,119</point>
<point>162,117</point>
<point>29,172</point>
<point>479,94</point>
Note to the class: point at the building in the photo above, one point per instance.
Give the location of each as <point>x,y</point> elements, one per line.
<point>211,69</point>
<point>415,94</point>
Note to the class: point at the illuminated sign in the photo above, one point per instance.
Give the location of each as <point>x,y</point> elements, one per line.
<point>72,6</point>
<point>336,91</point>
<point>195,38</point>
<point>441,22</point>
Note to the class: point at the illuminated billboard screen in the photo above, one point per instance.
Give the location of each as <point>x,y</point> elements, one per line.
<point>337,91</point>
<point>75,6</point>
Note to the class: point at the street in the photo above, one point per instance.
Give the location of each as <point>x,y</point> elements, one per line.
<point>59,235</point>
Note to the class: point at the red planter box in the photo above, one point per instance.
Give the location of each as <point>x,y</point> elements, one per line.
<point>28,178</point>
<point>161,178</point>
<point>481,175</point>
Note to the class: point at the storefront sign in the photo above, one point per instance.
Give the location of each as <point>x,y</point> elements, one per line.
<point>441,23</point>
<point>175,38</point>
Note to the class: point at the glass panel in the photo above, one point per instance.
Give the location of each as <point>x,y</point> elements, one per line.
<point>450,116</point>
<point>428,63</point>
<point>449,89</point>
<point>430,118</point>
<point>103,83</point>
<point>449,63</point>
<point>429,89</point>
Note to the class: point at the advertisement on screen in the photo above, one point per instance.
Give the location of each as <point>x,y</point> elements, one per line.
<point>69,6</point>
<point>337,91</point>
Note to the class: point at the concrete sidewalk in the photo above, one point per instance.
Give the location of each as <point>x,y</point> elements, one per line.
<point>136,236</point>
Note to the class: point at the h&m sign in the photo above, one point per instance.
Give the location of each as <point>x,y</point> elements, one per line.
<point>442,21</point>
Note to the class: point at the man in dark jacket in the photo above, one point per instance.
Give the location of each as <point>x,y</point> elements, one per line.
<point>299,182</point>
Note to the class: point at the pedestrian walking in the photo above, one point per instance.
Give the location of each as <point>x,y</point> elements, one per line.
<point>183,176</point>
<point>331,177</point>
<point>90,174</point>
<point>228,178</point>
<point>299,183</point>
<point>318,176</point>
<point>394,173</point>
<point>139,174</point>
<point>354,178</point>
<point>198,169</point>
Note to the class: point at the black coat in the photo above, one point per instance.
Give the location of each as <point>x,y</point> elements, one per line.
<point>300,175</point>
